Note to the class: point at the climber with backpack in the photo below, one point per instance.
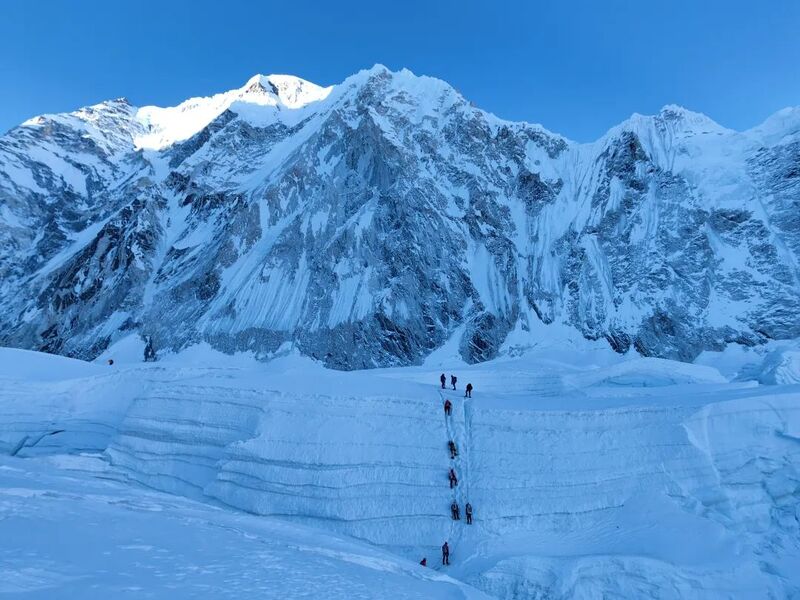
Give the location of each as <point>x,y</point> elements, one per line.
<point>448,408</point>
<point>445,554</point>
<point>454,511</point>
<point>453,479</point>
<point>468,393</point>
<point>443,379</point>
<point>453,380</point>
<point>451,445</point>
<point>468,513</point>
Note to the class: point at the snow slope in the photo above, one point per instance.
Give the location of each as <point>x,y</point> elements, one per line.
<point>586,481</point>
<point>71,530</point>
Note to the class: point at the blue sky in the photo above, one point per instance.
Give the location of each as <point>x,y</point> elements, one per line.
<point>576,67</point>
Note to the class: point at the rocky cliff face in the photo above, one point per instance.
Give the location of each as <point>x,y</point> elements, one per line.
<point>371,221</point>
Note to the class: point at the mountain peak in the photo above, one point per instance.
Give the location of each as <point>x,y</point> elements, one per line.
<point>675,109</point>
<point>258,84</point>
<point>678,119</point>
<point>288,90</point>
<point>779,128</point>
<point>173,124</point>
<point>676,112</point>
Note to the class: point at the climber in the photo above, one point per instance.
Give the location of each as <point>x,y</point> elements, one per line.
<point>110,362</point>
<point>424,562</point>
<point>445,554</point>
<point>443,379</point>
<point>454,512</point>
<point>448,407</point>
<point>149,350</point>
<point>453,380</point>
<point>468,513</point>
<point>453,450</point>
<point>453,479</point>
<point>468,393</point>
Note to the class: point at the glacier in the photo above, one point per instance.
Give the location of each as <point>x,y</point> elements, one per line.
<point>591,474</point>
<point>368,222</point>
<point>304,261</point>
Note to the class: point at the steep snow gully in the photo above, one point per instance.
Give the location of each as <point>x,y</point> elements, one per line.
<point>640,478</point>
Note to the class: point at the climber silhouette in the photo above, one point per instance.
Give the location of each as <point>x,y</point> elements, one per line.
<point>451,445</point>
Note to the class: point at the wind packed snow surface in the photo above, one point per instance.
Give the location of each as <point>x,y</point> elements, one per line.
<point>591,475</point>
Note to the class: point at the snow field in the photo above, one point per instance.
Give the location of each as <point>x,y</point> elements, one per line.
<point>69,529</point>
<point>593,483</point>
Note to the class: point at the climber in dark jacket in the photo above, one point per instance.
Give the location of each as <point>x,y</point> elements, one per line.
<point>468,393</point>
<point>453,380</point>
<point>453,479</point>
<point>424,562</point>
<point>445,554</point>
<point>448,407</point>
<point>443,379</point>
<point>468,513</point>
<point>453,450</point>
<point>454,511</point>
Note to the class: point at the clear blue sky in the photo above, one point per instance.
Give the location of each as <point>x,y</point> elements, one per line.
<point>577,67</point>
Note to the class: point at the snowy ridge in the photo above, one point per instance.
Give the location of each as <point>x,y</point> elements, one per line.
<point>168,126</point>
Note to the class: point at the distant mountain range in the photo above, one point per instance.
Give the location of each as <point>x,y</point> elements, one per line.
<point>371,221</point>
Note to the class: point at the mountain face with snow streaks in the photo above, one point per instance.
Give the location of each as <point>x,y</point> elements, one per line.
<point>367,223</point>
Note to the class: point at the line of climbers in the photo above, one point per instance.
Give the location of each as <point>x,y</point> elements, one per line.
<point>453,381</point>
<point>455,511</point>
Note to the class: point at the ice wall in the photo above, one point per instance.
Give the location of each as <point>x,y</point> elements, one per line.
<point>374,468</point>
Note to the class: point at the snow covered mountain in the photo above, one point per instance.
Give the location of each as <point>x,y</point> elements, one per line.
<point>371,221</point>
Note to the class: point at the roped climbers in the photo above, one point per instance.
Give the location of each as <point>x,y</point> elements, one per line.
<point>455,510</point>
